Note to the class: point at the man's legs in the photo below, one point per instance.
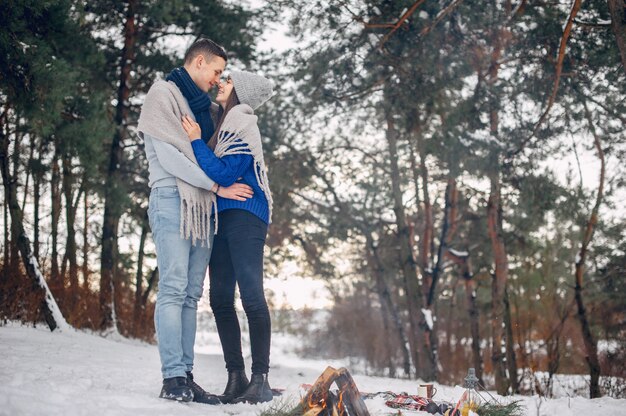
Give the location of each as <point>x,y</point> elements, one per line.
<point>198,263</point>
<point>173,261</point>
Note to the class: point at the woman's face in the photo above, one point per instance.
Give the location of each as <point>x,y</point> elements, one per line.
<point>224,90</point>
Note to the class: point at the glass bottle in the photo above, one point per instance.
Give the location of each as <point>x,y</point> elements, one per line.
<point>471,398</point>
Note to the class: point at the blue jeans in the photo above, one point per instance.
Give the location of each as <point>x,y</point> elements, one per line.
<point>182,270</point>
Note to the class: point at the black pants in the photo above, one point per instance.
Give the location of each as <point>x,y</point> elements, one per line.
<point>237,258</point>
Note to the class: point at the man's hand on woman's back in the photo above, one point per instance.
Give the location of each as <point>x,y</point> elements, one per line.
<point>236,191</point>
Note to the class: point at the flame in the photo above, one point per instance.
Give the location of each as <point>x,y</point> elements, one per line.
<point>317,406</point>
<point>340,406</point>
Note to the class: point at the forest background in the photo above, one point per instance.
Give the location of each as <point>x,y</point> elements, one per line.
<point>452,171</point>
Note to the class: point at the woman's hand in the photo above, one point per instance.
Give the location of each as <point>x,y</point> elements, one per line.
<point>192,128</point>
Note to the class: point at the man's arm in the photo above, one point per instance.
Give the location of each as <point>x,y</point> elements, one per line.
<point>176,164</point>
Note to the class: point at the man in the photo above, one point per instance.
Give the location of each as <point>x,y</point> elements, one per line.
<point>181,200</point>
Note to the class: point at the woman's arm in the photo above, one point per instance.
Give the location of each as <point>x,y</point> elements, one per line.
<point>176,164</point>
<point>225,171</point>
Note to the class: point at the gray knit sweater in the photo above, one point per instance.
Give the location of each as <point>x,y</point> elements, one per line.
<point>161,119</point>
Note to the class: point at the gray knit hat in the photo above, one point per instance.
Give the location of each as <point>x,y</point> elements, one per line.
<point>252,89</point>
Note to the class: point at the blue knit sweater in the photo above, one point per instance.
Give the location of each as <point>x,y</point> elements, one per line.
<point>226,171</point>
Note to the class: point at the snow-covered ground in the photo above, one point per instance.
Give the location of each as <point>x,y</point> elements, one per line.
<point>76,373</point>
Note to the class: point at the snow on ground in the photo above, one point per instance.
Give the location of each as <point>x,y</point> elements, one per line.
<point>77,373</point>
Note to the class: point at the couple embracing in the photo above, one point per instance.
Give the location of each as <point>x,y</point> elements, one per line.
<point>210,205</point>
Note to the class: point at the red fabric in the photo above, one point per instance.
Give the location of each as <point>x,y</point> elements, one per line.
<point>407,402</point>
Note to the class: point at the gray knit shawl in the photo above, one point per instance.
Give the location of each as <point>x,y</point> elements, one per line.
<point>161,118</point>
<point>239,134</point>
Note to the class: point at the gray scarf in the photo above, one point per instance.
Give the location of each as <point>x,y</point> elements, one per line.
<point>240,128</point>
<point>161,118</point>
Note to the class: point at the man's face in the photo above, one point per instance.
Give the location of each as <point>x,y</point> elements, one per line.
<point>206,73</point>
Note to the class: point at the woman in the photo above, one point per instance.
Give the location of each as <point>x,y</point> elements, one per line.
<point>234,154</point>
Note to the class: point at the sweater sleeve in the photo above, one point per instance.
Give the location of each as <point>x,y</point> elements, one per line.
<point>176,164</point>
<point>226,170</point>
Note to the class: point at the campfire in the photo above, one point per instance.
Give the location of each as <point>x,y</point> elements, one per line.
<point>321,401</point>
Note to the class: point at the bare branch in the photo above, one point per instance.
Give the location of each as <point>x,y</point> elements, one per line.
<point>591,348</point>
<point>440,16</point>
<point>593,24</point>
<point>593,219</point>
<point>519,9</point>
<point>402,19</point>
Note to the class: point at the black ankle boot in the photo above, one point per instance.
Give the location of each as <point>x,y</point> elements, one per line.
<point>176,388</point>
<point>236,385</point>
<point>258,391</point>
<point>199,394</point>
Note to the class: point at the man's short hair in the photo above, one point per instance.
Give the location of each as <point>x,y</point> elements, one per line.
<point>206,48</point>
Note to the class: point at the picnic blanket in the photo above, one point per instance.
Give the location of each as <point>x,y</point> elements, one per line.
<point>407,402</point>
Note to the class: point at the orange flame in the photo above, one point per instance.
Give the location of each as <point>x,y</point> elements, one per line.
<point>340,406</point>
<point>316,405</point>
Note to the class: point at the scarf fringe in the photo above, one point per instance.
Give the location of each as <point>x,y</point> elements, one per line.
<point>230,143</point>
<point>195,216</point>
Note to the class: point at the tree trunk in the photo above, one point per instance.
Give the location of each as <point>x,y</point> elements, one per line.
<point>16,164</point>
<point>5,209</point>
<point>56,279</point>
<point>617,9</point>
<point>498,285</point>
<point>553,346</point>
<point>70,217</point>
<point>472,311</point>
<point>152,281</point>
<point>427,232</point>
<point>416,175</point>
<point>138,307</point>
<point>37,178</point>
<point>426,368</point>
<point>510,345</point>
<point>591,347</point>
<point>429,286</point>
<point>426,259</point>
<point>450,189</point>
<point>28,171</point>
<point>86,237</point>
<point>385,299</point>
<point>494,223</point>
<point>450,329</point>
<point>385,314</point>
<point>48,306</point>
<point>7,239</point>
<point>112,208</point>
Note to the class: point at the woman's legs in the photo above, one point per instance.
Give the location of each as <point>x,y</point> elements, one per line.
<point>238,258</point>
<point>222,299</point>
<point>246,250</point>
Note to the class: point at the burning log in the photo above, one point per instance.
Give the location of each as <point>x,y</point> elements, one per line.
<point>320,401</point>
